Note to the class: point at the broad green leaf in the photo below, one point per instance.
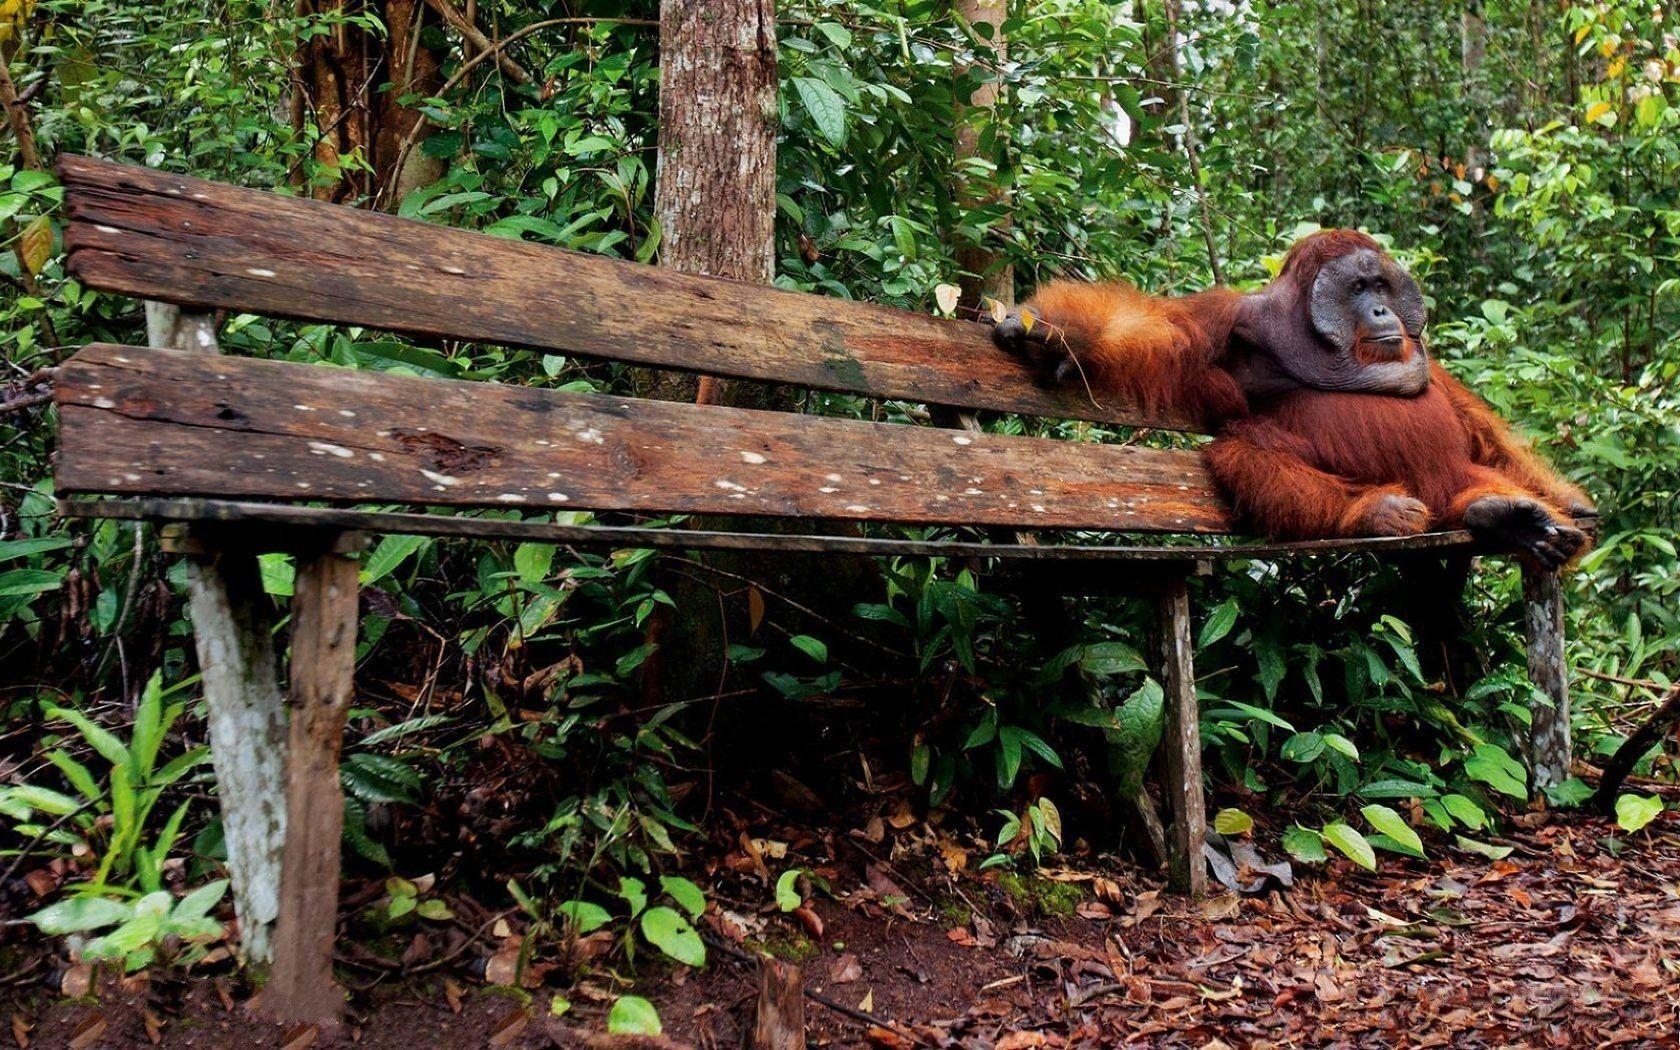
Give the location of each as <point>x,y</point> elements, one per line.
<point>634,893</point>
<point>101,739</point>
<point>1491,765</point>
<point>197,904</point>
<point>584,916</point>
<point>1464,810</point>
<point>1304,844</point>
<point>21,582</point>
<point>827,110</point>
<point>1219,624</point>
<point>80,914</point>
<point>667,930</point>
<point>1485,849</point>
<point>787,890</point>
<point>815,648</point>
<point>1232,822</point>
<point>1351,843</point>
<point>1635,811</point>
<point>691,897</point>
<point>633,1015</point>
<point>1303,747</point>
<point>1395,827</point>
<point>389,555</point>
<point>1110,658</point>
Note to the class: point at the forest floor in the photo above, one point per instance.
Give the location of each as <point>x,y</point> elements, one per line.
<point>1573,939</point>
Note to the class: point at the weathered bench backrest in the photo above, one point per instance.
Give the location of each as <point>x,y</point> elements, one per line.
<point>147,422</point>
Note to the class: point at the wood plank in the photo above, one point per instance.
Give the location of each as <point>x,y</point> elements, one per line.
<point>273,520</point>
<point>152,234</point>
<point>1186,870</point>
<point>154,422</point>
<point>1550,752</point>
<point>324,612</point>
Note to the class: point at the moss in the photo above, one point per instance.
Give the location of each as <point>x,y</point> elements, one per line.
<point>1057,900</point>
<point>790,947</point>
<point>954,913</point>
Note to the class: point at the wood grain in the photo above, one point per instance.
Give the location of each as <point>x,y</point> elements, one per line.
<point>324,612</point>
<point>1182,742</point>
<point>155,422</point>
<point>152,234</point>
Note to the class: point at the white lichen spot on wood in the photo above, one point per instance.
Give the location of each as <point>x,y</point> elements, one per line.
<point>974,492</point>
<point>132,477</point>
<point>857,508</point>
<point>729,486</point>
<point>592,436</point>
<point>443,480</point>
<point>347,413</point>
<point>510,497</point>
<point>559,497</point>
<point>874,481</point>
<point>123,359</point>
<point>107,229</point>
<point>1038,508</point>
<point>456,270</point>
<point>554,474</point>
<point>304,408</point>
<point>322,448</point>
<point>303,484</point>
<point>377,457</point>
<point>752,457</point>
<point>833,477</point>
<point>259,271</point>
<point>962,439</point>
<point>828,490</point>
<point>104,402</point>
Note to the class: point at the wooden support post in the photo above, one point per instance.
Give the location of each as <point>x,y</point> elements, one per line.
<point>781,1007</point>
<point>1187,871</point>
<point>233,630</point>
<point>323,663</point>
<point>1550,756</point>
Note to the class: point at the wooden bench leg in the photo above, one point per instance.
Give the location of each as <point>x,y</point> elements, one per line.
<point>233,628</point>
<point>1187,871</point>
<point>1550,757</point>
<point>323,662</point>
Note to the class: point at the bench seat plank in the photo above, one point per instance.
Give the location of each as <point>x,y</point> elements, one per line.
<point>168,422</point>
<point>160,236</point>
<point>283,517</point>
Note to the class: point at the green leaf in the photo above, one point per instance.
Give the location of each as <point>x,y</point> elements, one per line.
<point>435,910</point>
<point>1219,624</point>
<point>1232,822</point>
<point>1395,788</point>
<point>787,890</point>
<point>1635,811</point>
<point>389,556</point>
<point>80,914</point>
<point>815,648</point>
<point>532,561</point>
<point>1491,765</point>
<point>1485,849</point>
<point>10,549</point>
<point>633,1015</point>
<point>1304,844</point>
<point>21,582</point>
<point>1351,844</point>
<point>1340,743</point>
<point>101,739</point>
<point>1110,658</point>
<point>1570,793</point>
<point>1395,827</point>
<point>827,110</point>
<point>1303,747</point>
<point>584,916</point>
<point>666,929</point>
<point>197,904</point>
<point>1464,810</point>
<point>634,893</point>
<point>691,897</point>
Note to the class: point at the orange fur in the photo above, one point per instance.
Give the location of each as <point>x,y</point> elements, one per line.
<point>1309,463</point>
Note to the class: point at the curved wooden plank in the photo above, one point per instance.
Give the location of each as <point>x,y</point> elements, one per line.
<point>160,422</point>
<point>151,234</point>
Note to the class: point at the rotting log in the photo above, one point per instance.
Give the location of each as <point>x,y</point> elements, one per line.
<point>1550,754</point>
<point>1186,869</point>
<point>233,632</point>
<point>324,610</point>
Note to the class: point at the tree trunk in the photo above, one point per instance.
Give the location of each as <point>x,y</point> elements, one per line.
<point>984,274</point>
<point>350,87</point>
<point>715,198</point>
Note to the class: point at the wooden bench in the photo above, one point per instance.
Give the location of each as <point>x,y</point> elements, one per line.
<point>257,455</point>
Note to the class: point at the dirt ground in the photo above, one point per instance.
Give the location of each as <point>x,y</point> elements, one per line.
<point>1571,940</point>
